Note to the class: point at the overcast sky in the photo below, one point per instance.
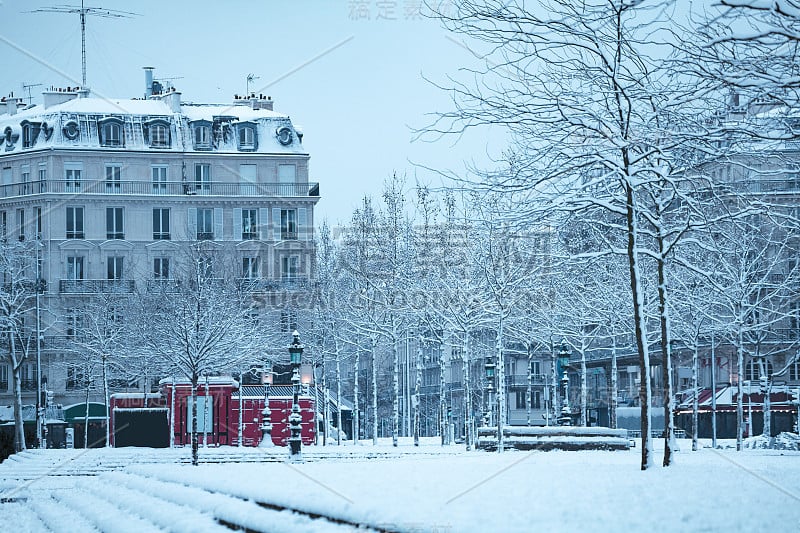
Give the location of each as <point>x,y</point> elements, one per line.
<point>350,73</point>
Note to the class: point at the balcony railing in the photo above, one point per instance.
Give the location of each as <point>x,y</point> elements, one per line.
<point>168,188</point>
<point>163,285</point>
<point>95,286</point>
<point>522,381</point>
<point>272,285</point>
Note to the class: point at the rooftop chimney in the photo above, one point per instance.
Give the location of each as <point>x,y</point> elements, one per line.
<point>58,96</point>
<point>148,82</point>
<point>12,103</point>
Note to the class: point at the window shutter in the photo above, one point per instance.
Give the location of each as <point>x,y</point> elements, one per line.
<point>191,223</point>
<point>237,223</point>
<point>218,236</point>
<point>263,223</point>
<point>302,224</point>
<point>276,223</point>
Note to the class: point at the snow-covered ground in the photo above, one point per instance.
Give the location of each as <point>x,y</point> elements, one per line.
<point>428,489</point>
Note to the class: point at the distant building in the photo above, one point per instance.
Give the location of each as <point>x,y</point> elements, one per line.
<point>116,190</point>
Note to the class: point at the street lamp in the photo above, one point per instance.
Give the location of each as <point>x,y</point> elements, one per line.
<point>295,439</point>
<point>266,414</point>
<point>489,367</point>
<point>563,360</point>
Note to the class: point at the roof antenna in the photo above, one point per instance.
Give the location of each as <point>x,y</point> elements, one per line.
<point>83,11</point>
<point>28,87</point>
<point>250,79</point>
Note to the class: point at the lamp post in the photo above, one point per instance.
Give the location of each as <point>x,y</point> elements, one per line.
<point>295,439</point>
<point>489,367</point>
<point>563,359</point>
<point>266,414</point>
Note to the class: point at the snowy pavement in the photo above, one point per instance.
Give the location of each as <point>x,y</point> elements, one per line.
<point>405,489</point>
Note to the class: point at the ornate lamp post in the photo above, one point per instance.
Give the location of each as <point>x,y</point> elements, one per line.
<point>489,367</point>
<point>266,414</point>
<point>295,440</point>
<point>563,360</point>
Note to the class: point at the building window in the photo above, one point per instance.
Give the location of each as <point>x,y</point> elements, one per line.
<point>75,223</point>
<point>39,223</point>
<point>161,268</point>
<point>794,371</point>
<point>202,177</point>
<point>290,267</point>
<point>73,322</point>
<point>205,224</point>
<point>247,138</point>
<point>250,267</point>
<point>536,368</point>
<point>161,224</point>
<point>42,177</point>
<point>202,136</point>
<point>28,138</point>
<point>21,224</point>
<point>536,399</point>
<point>72,177</point>
<point>3,378</point>
<point>111,133</point>
<point>159,136</point>
<point>29,377</point>
<point>25,179</point>
<point>521,397</point>
<point>76,379</point>
<point>288,224</point>
<point>114,267</point>
<point>114,228</point>
<point>159,175</point>
<point>3,226</point>
<point>755,369</point>
<point>288,320</point>
<point>249,224</point>
<point>113,178</point>
<point>75,267</point>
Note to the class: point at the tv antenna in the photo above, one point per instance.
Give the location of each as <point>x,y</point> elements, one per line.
<point>250,79</point>
<point>83,11</point>
<point>27,86</point>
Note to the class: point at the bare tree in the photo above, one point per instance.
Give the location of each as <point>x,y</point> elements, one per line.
<point>206,325</point>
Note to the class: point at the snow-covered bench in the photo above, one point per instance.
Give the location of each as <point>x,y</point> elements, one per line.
<point>554,438</point>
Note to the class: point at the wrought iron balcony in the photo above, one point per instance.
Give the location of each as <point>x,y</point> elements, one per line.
<point>294,283</point>
<point>162,188</point>
<point>96,286</point>
<point>163,285</point>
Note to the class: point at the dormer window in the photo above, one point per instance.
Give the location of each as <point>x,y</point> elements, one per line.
<point>110,132</point>
<point>158,133</point>
<point>202,134</point>
<point>30,132</point>
<point>247,136</point>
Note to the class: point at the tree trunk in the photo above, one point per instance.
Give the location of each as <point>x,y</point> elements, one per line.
<point>443,430</point>
<point>666,353</point>
<point>19,425</point>
<point>767,407</point>
<point>104,361</point>
<point>396,394</point>
<point>195,444</point>
<point>86,413</point>
<point>374,395</point>
<point>356,370</point>
<point>530,385</point>
<point>584,387</point>
<point>467,398</point>
<point>612,415</point>
<point>640,326</point>
<point>739,392</point>
<point>338,398</point>
<point>501,379</point>
<point>695,399</point>
<point>417,384</point>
